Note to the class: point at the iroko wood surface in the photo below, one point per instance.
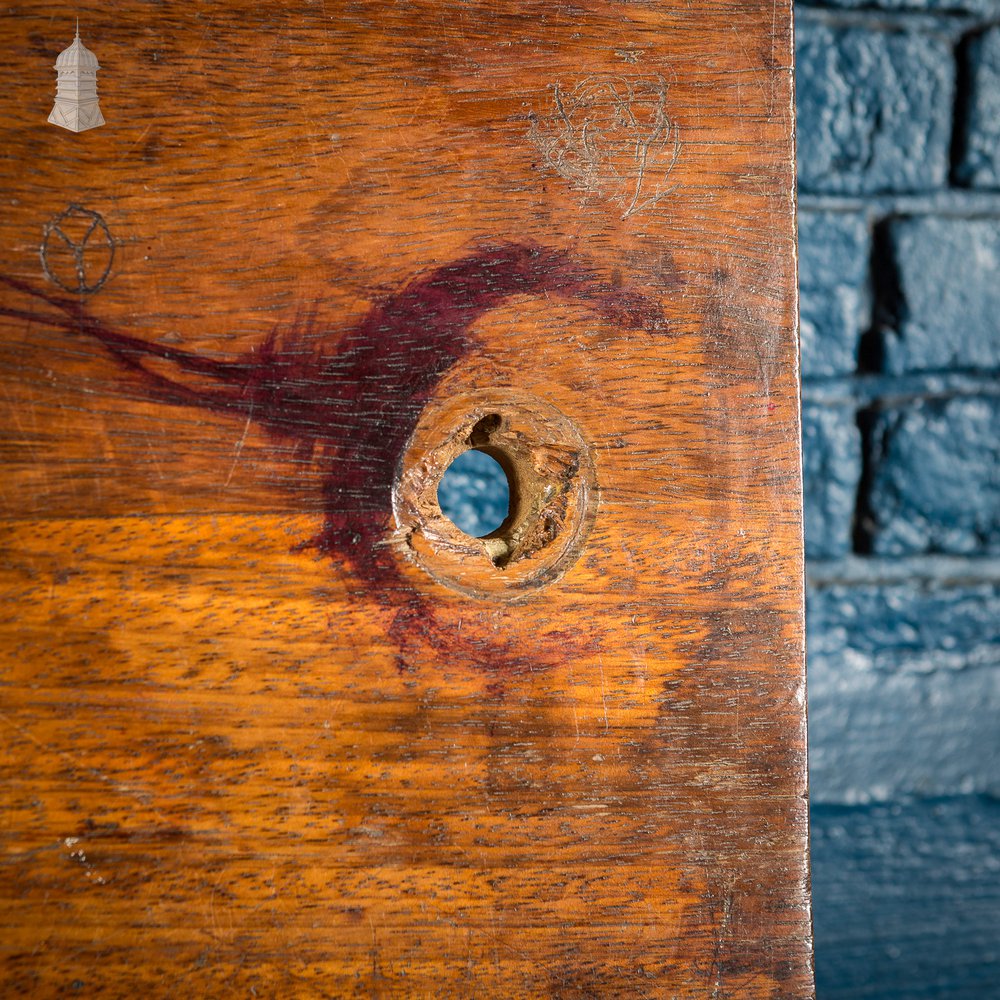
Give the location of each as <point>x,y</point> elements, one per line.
<point>271,725</point>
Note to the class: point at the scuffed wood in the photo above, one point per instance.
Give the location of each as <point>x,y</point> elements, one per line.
<point>269,727</point>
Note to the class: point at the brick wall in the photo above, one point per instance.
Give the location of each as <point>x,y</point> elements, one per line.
<point>899,242</point>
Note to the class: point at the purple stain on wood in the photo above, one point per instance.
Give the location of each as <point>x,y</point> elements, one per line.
<point>358,405</point>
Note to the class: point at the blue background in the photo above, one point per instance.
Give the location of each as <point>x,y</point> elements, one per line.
<point>899,242</point>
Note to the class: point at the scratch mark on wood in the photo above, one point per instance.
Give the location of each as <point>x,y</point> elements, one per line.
<point>611,136</point>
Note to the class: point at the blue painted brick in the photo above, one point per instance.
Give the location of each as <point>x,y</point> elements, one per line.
<point>949,287</point>
<point>935,483</point>
<point>834,251</point>
<point>906,627</point>
<point>874,109</point>
<point>831,458</point>
<point>475,493</point>
<point>906,900</point>
<point>980,160</point>
<point>931,6</point>
<point>904,691</point>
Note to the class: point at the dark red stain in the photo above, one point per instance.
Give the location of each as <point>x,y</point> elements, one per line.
<point>358,405</point>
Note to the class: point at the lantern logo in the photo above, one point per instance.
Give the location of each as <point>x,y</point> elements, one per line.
<point>76,106</point>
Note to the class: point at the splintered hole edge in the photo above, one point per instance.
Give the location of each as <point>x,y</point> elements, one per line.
<point>546,465</point>
<point>475,492</point>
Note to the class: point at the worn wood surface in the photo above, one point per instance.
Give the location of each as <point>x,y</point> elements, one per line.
<point>272,726</point>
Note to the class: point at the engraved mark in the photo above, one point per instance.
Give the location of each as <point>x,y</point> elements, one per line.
<point>611,137</point>
<point>630,55</point>
<point>77,250</point>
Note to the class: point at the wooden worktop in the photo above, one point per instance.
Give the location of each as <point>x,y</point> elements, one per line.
<point>272,725</point>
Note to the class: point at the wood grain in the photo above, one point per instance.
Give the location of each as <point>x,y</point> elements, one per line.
<point>269,728</point>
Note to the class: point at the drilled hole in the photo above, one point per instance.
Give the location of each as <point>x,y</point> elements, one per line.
<point>484,428</point>
<point>474,493</point>
<point>494,528</point>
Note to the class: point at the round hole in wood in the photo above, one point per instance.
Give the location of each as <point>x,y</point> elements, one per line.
<point>474,493</point>
<point>552,493</point>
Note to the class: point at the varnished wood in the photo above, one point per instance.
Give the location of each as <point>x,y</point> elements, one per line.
<point>271,726</point>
